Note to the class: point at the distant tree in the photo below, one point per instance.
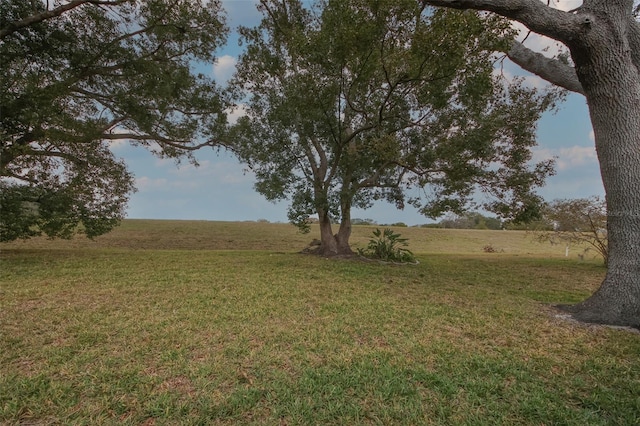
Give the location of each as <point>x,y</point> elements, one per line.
<point>358,100</point>
<point>487,222</point>
<point>578,221</point>
<point>358,221</point>
<point>75,76</point>
<point>398,224</point>
<point>470,220</point>
<point>431,225</point>
<point>452,221</point>
<point>539,224</point>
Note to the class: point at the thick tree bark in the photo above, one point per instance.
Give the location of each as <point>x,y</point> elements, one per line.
<point>344,232</point>
<point>605,66</point>
<point>552,70</point>
<point>338,244</point>
<point>604,41</point>
<point>328,243</point>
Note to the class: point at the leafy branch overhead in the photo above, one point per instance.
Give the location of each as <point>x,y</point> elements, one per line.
<point>77,76</point>
<point>564,26</point>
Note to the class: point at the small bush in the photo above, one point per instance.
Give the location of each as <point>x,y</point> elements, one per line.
<point>388,246</point>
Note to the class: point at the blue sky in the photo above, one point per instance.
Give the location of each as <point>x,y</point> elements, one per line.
<point>221,189</point>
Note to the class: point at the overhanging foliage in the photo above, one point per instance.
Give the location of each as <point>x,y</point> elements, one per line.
<point>76,76</point>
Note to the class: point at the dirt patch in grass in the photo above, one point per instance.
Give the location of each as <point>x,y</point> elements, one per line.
<point>180,384</point>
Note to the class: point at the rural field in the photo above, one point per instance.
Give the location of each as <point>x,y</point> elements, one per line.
<point>220,323</point>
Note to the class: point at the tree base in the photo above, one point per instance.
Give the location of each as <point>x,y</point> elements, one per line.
<point>561,313</point>
<point>320,250</point>
<point>586,313</point>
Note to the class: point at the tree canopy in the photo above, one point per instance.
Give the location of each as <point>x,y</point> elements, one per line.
<point>76,76</point>
<point>355,101</point>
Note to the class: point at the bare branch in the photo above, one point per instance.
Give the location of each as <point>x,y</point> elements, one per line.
<point>547,21</point>
<point>183,145</point>
<point>552,70</point>
<point>10,174</point>
<point>534,14</point>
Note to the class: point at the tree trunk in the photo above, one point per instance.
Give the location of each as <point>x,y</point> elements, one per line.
<point>344,233</point>
<point>604,40</point>
<point>611,82</point>
<point>330,244</point>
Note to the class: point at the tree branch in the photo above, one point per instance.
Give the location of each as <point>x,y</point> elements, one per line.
<point>11,174</point>
<point>534,14</point>
<point>57,154</point>
<point>183,145</point>
<point>542,19</point>
<point>43,16</point>
<point>552,70</point>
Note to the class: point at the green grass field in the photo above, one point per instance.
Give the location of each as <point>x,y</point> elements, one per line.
<point>168,322</point>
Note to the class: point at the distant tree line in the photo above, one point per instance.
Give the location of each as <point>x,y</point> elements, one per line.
<point>570,220</point>
<point>470,220</point>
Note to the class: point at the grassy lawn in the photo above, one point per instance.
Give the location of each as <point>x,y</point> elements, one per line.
<point>165,322</point>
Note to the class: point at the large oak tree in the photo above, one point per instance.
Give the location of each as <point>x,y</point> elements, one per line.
<point>75,76</point>
<point>603,38</point>
<point>355,101</point>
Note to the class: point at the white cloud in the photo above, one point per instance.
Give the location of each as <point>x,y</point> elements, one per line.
<point>529,80</point>
<point>568,158</point>
<point>145,183</point>
<point>235,113</point>
<point>168,163</point>
<point>564,4</point>
<point>210,172</point>
<point>117,145</point>
<point>224,68</point>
